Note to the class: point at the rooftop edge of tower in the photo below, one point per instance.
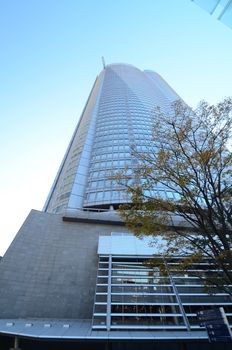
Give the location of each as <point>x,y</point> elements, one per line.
<point>112,65</point>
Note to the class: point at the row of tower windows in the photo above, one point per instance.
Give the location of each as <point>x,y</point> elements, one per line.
<point>112,132</point>
<point>111,121</point>
<point>119,121</point>
<point>99,143</point>
<point>110,129</point>
<point>106,195</point>
<point>117,139</point>
<point>109,164</point>
<point>107,173</point>
<point>102,184</point>
<point>142,135</point>
<point>115,108</point>
<point>109,141</point>
<point>112,149</point>
<point>127,103</point>
<point>137,125</point>
<point>115,112</point>
<point>110,156</point>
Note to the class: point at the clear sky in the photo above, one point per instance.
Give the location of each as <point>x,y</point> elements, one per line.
<point>50,55</point>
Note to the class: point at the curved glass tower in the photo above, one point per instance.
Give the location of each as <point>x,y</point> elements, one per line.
<point>117,118</point>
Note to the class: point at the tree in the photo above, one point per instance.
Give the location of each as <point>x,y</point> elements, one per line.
<point>188,161</point>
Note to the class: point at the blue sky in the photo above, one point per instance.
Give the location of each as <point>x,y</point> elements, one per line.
<point>50,55</point>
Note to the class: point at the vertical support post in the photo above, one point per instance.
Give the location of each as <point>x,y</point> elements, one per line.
<point>186,321</point>
<point>183,346</point>
<point>16,344</point>
<point>108,309</point>
<point>107,345</point>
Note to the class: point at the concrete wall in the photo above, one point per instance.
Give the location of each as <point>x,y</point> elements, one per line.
<point>49,271</point>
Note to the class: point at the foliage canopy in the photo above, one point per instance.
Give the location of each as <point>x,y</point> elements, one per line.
<point>182,187</point>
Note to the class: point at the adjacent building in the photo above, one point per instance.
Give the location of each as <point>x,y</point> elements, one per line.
<point>219,9</point>
<point>74,277</point>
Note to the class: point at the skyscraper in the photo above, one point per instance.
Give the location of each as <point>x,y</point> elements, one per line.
<point>74,273</point>
<point>117,117</point>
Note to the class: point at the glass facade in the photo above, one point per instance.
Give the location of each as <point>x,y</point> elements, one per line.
<point>117,119</point>
<point>132,294</point>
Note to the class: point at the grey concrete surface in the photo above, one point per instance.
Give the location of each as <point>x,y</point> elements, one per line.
<point>49,270</point>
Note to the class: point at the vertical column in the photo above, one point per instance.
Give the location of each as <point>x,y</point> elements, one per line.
<point>77,195</point>
<point>186,321</point>
<point>16,344</point>
<point>108,309</point>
